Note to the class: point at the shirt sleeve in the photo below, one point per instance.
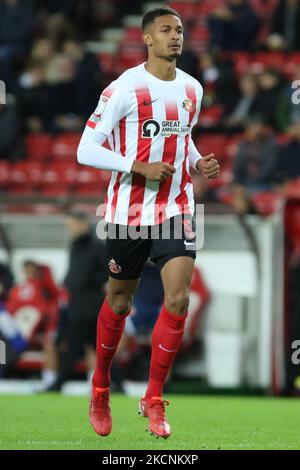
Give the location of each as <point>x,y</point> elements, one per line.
<point>111,108</point>
<point>193,155</point>
<point>92,153</point>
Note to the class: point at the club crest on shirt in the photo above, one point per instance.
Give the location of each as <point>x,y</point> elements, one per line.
<point>114,267</point>
<point>188,105</point>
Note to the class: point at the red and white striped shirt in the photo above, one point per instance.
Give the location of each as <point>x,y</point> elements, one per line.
<point>149,120</point>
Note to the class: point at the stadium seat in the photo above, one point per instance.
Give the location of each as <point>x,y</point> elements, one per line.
<point>4,173</point>
<point>212,143</point>
<point>27,172</point>
<point>210,116</point>
<point>187,10</point>
<point>292,189</point>
<point>20,189</point>
<point>39,146</point>
<point>89,189</point>
<point>132,34</point>
<point>65,147</point>
<point>292,223</point>
<point>60,172</point>
<point>266,203</point>
<point>55,189</point>
<point>232,145</point>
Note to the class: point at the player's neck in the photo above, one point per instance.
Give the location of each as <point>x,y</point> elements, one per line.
<point>161,68</point>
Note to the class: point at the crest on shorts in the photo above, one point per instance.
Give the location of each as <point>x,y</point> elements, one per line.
<point>188,105</point>
<point>114,267</point>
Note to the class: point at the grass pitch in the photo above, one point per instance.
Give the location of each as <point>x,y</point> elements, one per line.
<point>53,421</point>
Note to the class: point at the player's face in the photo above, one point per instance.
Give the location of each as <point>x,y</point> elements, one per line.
<point>165,37</point>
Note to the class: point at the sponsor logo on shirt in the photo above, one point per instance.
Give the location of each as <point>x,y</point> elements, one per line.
<point>152,128</point>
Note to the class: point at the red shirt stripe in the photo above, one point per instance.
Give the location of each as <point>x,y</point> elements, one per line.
<point>169,156</point>
<point>122,128</point>
<point>138,184</point>
<point>182,198</point>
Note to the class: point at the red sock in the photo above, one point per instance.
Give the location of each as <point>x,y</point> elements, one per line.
<point>110,327</point>
<point>166,340</point>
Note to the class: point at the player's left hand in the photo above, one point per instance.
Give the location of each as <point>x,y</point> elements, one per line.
<point>209,166</point>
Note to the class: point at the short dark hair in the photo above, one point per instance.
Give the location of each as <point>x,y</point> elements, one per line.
<point>151,15</point>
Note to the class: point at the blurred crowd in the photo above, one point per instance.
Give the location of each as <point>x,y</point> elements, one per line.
<point>53,82</point>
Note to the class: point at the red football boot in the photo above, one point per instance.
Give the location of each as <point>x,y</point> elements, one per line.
<point>154,409</point>
<point>100,415</point>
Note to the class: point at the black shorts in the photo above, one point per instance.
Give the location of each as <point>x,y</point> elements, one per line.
<point>128,248</point>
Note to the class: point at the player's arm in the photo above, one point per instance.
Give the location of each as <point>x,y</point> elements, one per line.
<point>112,107</point>
<point>206,165</point>
<point>92,153</point>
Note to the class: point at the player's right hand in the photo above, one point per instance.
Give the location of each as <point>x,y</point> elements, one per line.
<point>155,171</point>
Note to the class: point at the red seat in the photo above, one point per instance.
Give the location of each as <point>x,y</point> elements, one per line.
<point>270,59</point>
<point>26,172</point>
<point>55,189</point>
<point>210,116</point>
<point>20,189</point>
<point>60,172</point>
<point>212,143</point>
<point>132,33</point>
<point>187,10</point>
<point>292,190</point>
<point>39,146</point>
<point>232,145</point>
<point>86,174</point>
<point>200,33</point>
<point>266,203</point>
<point>4,172</point>
<point>65,147</point>
<point>89,189</point>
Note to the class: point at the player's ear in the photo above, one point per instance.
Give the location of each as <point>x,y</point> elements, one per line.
<point>147,39</point>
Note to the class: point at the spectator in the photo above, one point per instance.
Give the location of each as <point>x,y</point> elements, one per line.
<point>16,25</point>
<point>11,139</point>
<point>85,281</point>
<point>88,75</point>
<point>188,61</point>
<point>64,108</point>
<point>255,164</point>
<point>49,97</point>
<point>270,87</point>
<point>289,108</point>
<point>233,27</point>
<point>257,156</point>
<point>286,25</point>
<point>246,105</point>
<point>33,95</point>
<point>33,303</point>
<point>289,156</point>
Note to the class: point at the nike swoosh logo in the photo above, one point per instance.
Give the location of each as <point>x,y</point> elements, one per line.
<point>107,347</point>
<point>188,243</point>
<point>147,103</point>
<point>167,350</point>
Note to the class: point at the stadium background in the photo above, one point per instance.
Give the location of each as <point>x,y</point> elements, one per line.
<point>55,60</point>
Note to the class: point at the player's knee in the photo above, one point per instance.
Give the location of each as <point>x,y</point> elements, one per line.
<point>177,303</point>
<point>120,305</point>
